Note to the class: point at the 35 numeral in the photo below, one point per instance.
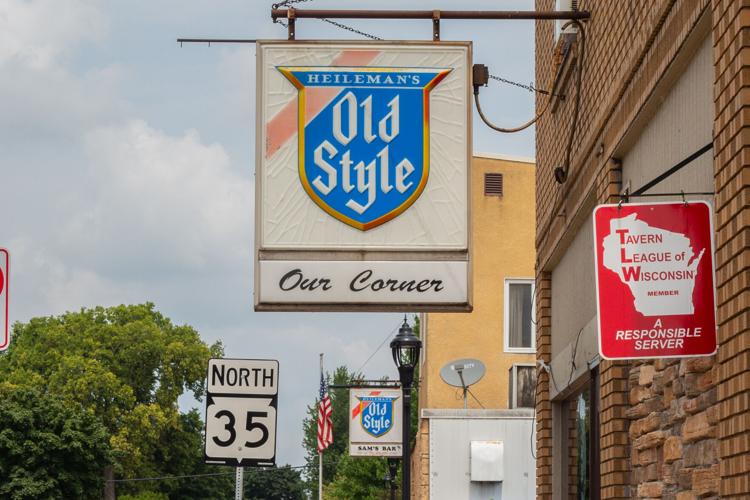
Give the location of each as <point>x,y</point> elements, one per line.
<point>249,426</point>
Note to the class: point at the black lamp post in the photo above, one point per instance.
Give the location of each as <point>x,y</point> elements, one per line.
<point>390,477</point>
<point>405,348</point>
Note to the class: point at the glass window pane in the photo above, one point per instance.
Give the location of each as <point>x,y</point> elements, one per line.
<point>579,439</point>
<point>526,387</point>
<point>519,315</point>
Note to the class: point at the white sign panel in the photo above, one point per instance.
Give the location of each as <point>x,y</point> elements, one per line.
<point>241,403</point>
<point>4,272</point>
<point>375,422</point>
<point>311,282</point>
<point>362,154</point>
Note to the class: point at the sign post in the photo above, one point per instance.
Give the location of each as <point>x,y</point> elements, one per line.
<point>238,483</point>
<point>655,280</point>
<point>375,417</point>
<point>241,403</point>
<point>4,283</point>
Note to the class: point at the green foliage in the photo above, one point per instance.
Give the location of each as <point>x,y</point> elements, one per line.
<point>359,477</point>
<point>126,366</point>
<point>145,495</point>
<point>181,453</point>
<point>340,419</point>
<point>49,448</point>
<point>273,483</point>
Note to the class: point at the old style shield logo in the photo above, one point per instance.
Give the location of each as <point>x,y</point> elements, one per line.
<point>364,157</point>
<point>376,414</point>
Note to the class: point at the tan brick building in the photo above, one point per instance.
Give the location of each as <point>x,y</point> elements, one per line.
<point>661,80</point>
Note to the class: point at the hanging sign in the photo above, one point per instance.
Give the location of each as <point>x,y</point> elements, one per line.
<point>362,188</point>
<point>375,422</point>
<point>655,280</point>
<point>4,326</point>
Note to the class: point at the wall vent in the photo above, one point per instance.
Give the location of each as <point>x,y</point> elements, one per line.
<point>493,184</point>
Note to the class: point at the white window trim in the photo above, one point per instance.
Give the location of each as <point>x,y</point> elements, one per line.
<point>506,316</point>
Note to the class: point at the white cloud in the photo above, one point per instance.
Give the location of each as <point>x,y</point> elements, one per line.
<point>43,284</point>
<point>159,203</point>
<point>38,32</point>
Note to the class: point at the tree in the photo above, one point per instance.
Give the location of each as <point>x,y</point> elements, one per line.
<point>359,477</point>
<point>183,455</point>
<point>126,365</point>
<point>273,483</point>
<point>49,448</point>
<point>340,419</point>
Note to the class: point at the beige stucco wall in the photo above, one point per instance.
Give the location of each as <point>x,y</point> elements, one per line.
<point>502,247</point>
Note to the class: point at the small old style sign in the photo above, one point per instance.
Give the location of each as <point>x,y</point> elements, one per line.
<point>655,280</point>
<point>241,403</point>
<point>362,187</point>
<point>4,284</point>
<point>375,422</point>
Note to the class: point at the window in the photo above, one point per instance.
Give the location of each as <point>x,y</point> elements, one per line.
<point>581,476</point>
<point>519,314</point>
<point>521,386</point>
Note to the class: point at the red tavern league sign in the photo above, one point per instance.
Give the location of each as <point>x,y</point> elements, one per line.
<point>4,269</point>
<point>655,280</point>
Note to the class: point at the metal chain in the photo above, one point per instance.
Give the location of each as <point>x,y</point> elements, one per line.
<point>530,87</point>
<point>286,3</point>
<point>349,28</point>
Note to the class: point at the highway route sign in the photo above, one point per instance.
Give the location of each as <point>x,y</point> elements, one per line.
<point>241,404</point>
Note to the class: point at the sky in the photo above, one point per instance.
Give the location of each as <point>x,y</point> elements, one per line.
<point>127,163</point>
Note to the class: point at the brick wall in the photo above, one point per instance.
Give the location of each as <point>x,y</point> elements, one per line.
<point>420,462</point>
<point>731,34</point>
<point>671,428</point>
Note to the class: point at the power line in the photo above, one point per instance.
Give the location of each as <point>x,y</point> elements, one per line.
<point>187,476</point>
<point>160,478</point>
<point>379,347</point>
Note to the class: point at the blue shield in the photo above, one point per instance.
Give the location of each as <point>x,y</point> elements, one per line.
<point>376,416</point>
<point>363,139</point>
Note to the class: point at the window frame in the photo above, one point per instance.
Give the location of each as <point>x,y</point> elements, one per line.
<point>513,384</point>
<point>506,316</point>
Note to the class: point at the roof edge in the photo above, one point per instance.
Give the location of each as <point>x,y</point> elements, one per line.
<point>497,156</point>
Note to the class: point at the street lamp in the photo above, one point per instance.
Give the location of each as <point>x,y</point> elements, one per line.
<point>405,348</point>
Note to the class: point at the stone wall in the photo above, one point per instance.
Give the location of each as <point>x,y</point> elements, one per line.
<point>673,428</point>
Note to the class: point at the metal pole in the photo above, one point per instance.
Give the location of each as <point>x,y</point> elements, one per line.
<point>393,470</point>
<point>238,483</point>
<point>320,453</point>
<point>463,386</point>
<point>406,455</point>
<point>426,14</point>
<point>320,475</point>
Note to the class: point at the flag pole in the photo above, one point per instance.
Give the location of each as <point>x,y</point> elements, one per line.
<point>320,453</point>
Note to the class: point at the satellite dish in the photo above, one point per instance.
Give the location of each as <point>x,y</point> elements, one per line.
<point>462,373</point>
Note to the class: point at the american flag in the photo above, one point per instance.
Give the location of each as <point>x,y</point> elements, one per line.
<point>325,425</point>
